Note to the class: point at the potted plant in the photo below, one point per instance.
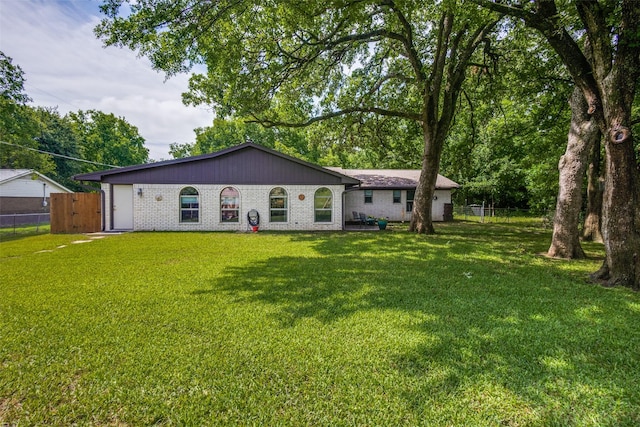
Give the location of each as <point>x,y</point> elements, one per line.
<point>371,220</point>
<point>382,223</point>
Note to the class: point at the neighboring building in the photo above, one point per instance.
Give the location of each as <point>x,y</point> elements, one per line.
<point>389,193</point>
<point>25,191</point>
<point>217,191</point>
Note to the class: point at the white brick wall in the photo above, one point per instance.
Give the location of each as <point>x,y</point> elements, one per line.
<point>382,205</point>
<point>158,208</point>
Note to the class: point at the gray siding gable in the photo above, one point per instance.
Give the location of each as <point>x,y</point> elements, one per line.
<point>245,164</point>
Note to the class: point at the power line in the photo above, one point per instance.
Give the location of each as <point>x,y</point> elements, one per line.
<point>54,96</point>
<point>60,155</point>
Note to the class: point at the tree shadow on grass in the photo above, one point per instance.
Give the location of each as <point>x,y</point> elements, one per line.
<point>509,337</point>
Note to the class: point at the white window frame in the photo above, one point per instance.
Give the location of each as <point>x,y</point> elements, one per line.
<point>233,208</point>
<point>190,208</point>
<point>368,197</point>
<point>283,210</point>
<point>327,206</point>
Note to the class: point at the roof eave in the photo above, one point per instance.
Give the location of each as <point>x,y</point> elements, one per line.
<point>99,175</point>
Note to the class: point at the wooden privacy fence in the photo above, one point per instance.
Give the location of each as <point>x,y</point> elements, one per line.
<point>75,213</point>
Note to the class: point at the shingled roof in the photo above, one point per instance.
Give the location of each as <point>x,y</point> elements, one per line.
<point>386,179</point>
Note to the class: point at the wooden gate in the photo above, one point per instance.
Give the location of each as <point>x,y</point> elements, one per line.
<point>76,213</point>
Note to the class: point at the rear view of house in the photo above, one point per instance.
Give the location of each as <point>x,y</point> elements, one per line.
<point>389,193</point>
<point>230,190</point>
<point>218,191</point>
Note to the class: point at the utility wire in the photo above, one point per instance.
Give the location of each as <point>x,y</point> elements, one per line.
<point>60,155</point>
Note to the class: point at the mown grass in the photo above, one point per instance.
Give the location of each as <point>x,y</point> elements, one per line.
<point>468,327</point>
<point>21,231</point>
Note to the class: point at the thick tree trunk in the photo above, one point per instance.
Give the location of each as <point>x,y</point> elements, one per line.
<point>620,227</point>
<point>593,218</point>
<point>621,234</point>
<point>607,72</point>
<point>565,242</point>
<point>421,216</point>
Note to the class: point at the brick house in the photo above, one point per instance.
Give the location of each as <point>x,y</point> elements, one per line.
<point>217,191</point>
<point>389,193</point>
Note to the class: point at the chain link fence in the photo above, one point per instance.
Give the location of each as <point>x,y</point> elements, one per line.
<point>25,223</point>
<point>486,214</point>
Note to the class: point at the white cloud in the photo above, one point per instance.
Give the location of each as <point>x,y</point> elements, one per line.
<point>66,66</point>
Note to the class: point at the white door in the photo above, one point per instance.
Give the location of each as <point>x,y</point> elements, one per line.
<point>122,207</point>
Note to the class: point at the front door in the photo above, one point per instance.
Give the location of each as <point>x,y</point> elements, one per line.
<point>122,207</point>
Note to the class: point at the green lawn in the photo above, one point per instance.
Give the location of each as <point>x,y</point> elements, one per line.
<point>21,231</point>
<point>469,327</point>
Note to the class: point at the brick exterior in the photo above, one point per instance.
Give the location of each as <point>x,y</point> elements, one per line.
<point>382,205</point>
<point>23,205</point>
<point>158,208</point>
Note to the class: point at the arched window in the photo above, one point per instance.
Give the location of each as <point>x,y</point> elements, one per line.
<point>229,205</point>
<point>323,205</point>
<point>278,205</point>
<point>189,205</point>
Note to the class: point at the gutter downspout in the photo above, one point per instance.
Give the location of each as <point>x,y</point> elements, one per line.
<point>344,221</point>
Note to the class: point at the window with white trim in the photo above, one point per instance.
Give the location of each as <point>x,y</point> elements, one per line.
<point>323,205</point>
<point>368,196</point>
<point>278,205</point>
<point>229,205</point>
<point>189,205</point>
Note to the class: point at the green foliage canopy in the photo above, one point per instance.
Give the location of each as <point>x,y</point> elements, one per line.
<point>295,62</point>
<point>108,139</point>
<point>18,123</point>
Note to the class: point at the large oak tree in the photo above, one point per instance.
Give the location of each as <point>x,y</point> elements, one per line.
<point>293,63</point>
<point>606,69</point>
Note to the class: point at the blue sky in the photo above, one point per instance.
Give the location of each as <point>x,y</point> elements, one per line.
<point>66,66</point>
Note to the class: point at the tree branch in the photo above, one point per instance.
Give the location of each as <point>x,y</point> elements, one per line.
<point>457,72</point>
<point>599,33</point>
<point>445,26</point>
<point>546,20</point>
<point>385,78</point>
<point>334,114</point>
<point>505,9</point>
<point>407,41</point>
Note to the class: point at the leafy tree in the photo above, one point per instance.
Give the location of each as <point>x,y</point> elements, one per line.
<point>108,139</point>
<point>286,63</point>
<point>225,133</point>
<point>606,69</point>
<point>18,124</point>
<point>55,134</point>
<point>368,141</point>
<point>26,133</point>
<point>511,126</point>
<point>179,151</point>
<point>12,81</point>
